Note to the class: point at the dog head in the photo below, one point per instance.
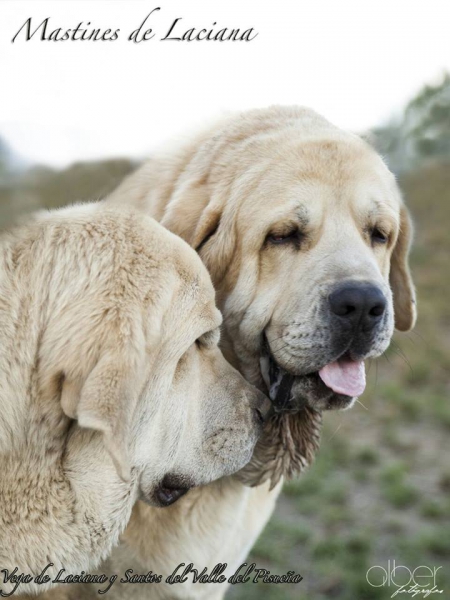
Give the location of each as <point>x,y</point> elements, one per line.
<point>306,237</point>
<point>132,338</point>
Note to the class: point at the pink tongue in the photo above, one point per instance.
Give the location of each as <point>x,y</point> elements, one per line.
<point>345,377</point>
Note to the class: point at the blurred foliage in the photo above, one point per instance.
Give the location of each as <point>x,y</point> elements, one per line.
<point>380,487</point>
<point>44,188</point>
<point>421,133</point>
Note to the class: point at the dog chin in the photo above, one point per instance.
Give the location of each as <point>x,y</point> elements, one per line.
<point>312,391</point>
<point>292,393</point>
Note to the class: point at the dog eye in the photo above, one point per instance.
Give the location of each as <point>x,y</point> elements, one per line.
<point>284,238</point>
<point>378,237</point>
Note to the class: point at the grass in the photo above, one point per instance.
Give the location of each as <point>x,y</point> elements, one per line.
<point>367,456</point>
<point>400,495</point>
<point>433,509</point>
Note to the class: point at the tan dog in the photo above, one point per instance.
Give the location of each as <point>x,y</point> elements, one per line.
<point>112,385</point>
<point>305,235</point>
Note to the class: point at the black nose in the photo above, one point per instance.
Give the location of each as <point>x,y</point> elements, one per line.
<point>358,303</point>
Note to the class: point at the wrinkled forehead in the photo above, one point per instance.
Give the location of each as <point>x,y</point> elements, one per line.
<point>314,179</point>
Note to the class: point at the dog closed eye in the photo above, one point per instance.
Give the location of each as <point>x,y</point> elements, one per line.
<point>289,236</point>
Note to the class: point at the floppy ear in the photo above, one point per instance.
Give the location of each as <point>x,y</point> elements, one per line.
<point>195,214</point>
<point>215,240</point>
<point>105,402</point>
<point>207,226</point>
<point>400,277</point>
<point>186,207</point>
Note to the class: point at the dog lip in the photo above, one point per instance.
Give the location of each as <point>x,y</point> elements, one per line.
<point>266,352</point>
<point>278,381</point>
<point>166,496</point>
<point>171,489</point>
<point>282,403</point>
<point>345,354</point>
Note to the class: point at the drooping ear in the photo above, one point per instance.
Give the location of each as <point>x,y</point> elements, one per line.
<point>400,277</point>
<point>196,214</point>
<point>106,402</point>
<point>186,207</point>
<point>207,226</point>
<point>215,240</point>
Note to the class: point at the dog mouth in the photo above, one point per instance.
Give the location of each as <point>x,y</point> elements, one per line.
<point>333,386</point>
<point>171,489</point>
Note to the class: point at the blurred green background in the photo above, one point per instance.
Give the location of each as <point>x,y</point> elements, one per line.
<point>380,487</point>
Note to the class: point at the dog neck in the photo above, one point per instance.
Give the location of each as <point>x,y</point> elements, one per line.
<point>53,508</point>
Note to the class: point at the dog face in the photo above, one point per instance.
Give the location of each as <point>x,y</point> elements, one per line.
<point>202,417</point>
<point>132,342</point>
<point>307,247</point>
<point>321,262</point>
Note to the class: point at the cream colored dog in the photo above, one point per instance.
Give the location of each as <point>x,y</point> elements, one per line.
<point>112,385</point>
<point>305,235</point>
